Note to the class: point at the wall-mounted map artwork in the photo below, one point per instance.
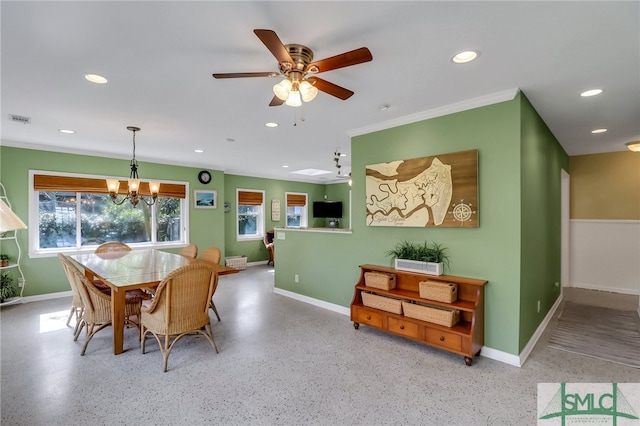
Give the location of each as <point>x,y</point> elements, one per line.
<point>441,191</point>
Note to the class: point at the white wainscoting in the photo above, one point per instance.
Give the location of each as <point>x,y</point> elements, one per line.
<point>605,255</point>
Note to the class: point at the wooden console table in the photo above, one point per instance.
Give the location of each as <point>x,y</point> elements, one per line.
<point>465,338</point>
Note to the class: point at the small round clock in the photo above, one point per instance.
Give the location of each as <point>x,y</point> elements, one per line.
<point>204,177</point>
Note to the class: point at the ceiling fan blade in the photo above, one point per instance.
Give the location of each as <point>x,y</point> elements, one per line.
<point>275,46</point>
<point>245,74</point>
<point>346,59</point>
<point>330,88</point>
<point>276,101</point>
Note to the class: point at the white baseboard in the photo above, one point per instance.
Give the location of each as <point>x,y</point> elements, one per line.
<point>48,296</point>
<point>315,302</point>
<point>621,290</point>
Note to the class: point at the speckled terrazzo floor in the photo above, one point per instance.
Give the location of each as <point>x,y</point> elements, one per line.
<point>281,362</point>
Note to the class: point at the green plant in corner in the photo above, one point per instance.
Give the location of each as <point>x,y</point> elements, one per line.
<point>7,287</point>
<point>422,252</point>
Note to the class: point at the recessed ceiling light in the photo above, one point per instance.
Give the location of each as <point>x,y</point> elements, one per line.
<point>95,78</point>
<point>591,92</point>
<point>199,151</point>
<point>285,166</point>
<point>271,124</point>
<point>68,131</point>
<point>464,57</point>
<point>596,131</point>
<point>633,146</point>
<point>384,107</point>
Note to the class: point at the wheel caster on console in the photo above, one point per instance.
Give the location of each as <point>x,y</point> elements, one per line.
<point>356,325</point>
<point>468,361</point>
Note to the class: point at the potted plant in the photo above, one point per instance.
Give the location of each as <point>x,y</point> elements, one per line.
<point>425,258</point>
<point>4,260</point>
<point>7,287</point>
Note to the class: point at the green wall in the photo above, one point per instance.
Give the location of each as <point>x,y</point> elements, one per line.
<point>327,264</point>
<point>274,189</point>
<point>542,159</point>
<point>516,247</point>
<point>44,275</point>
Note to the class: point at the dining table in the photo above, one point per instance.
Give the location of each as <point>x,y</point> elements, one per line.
<point>131,270</point>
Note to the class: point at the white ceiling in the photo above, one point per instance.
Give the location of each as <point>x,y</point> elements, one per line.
<point>159,57</point>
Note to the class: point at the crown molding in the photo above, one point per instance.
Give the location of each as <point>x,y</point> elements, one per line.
<point>494,98</point>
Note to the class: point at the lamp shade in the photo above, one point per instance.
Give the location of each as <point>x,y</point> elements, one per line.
<point>113,185</point>
<point>308,91</point>
<point>8,219</point>
<point>282,89</point>
<point>134,185</point>
<point>154,187</point>
<point>294,99</point>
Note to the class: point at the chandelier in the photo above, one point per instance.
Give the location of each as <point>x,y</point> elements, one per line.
<point>294,89</point>
<point>113,185</point>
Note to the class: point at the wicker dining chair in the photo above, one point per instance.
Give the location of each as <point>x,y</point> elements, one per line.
<point>180,307</point>
<point>213,255</point>
<point>97,307</point>
<point>111,246</point>
<point>77,307</point>
<point>190,251</point>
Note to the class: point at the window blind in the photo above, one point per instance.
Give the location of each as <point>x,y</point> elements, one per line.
<point>99,186</point>
<point>296,200</point>
<point>249,198</point>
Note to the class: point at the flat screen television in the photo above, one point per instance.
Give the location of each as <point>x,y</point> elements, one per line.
<point>327,209</point>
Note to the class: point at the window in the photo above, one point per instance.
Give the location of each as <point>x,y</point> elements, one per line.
<point>250,214</point>
<point>75,213</point>
<point>296,210</point>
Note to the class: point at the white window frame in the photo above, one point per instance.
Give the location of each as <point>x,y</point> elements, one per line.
<point>260,221</point>
<point>34,220</point>
<point>304,221</point>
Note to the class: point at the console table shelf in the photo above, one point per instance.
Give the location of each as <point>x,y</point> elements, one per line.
<point>465,338</point>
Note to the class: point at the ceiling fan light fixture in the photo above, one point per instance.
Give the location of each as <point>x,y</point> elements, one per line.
<point>282,89</point>
<point>294,99</point>
<point>308,91</point>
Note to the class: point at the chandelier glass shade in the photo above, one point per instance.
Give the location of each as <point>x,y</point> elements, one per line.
<point>133,191</point>
<point>294,92</point>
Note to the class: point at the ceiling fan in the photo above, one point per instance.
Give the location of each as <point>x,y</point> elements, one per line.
<point>296,65</point>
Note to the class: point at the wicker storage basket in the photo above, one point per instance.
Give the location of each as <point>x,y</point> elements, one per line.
<point>383,303</point>
<point>237,262</point>
<point>380,280</point>
<point>436,315</point>
<point>439,291</point>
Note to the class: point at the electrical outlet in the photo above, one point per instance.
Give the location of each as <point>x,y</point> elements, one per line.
<point>556,285</point>
<point>538,306</point>
<point>296,278</point>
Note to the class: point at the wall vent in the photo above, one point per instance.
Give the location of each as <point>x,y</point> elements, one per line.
<point>20,119</point>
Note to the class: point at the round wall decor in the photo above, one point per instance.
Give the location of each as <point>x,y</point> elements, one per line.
<point>204,177</point>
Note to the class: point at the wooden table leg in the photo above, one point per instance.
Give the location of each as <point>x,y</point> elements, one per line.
<point>118,300</point>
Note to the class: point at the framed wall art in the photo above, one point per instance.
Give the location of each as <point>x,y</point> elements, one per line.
<point>205,199</point>
<point>436,191</point>
<point>275,210</point>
